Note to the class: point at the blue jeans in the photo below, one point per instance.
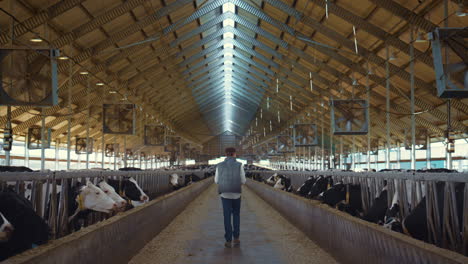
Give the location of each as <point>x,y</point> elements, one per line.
<point>231,207</point>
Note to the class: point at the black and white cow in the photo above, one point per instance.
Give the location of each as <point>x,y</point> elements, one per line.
<point>130,190</point>
<point>83,199</point>
<point>353,201</point>
<point>345,197</point>
<point>306,186</point>
<point>30,229</point>
<point>321,184</point>
<point>283,183</point>
<point>392,218</point>
<point>174,181</point>
<point>110,191</point>
<point>376,212</point>
<point>272,179</point>
<point>6,229</point>
<point>415,223</point>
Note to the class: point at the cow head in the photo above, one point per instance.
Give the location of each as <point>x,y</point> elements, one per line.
<point>134,192</point>
<point>92,198</point>
<point>110,191</point>
<point>174,179</point>
<point>6,229</point>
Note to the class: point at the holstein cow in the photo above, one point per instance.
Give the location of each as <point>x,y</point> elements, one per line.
<point>30,229</point>
<point>283,183</point>
<point>415,224</point>
<point>306,186</point>
<point>272,179</point>
<point>376,212</point>
<point>86,198</point>
<point>392,219</point>
<point>110,191</point>
<point>6,229</point>
<point>130,190</point>
<point>345,197</point>
<point>321,184</point>
<point>174,180</point>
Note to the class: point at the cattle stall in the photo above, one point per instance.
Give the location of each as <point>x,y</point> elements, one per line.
<point>43,190</point>
<point>443,225</point>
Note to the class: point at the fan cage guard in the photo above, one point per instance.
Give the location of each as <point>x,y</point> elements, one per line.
<point>47,133</point>
<point>298,136</point>
<point>335,109</point>
<point>51,98</point>
<point>84,147</point>
<point>285,144</point>
<point>109,110</point>
<point>111,150</point>
<point>172,144</point>
<point>152,132</point>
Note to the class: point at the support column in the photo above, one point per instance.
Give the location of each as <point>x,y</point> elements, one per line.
<point>369,126</point>
<point>399,155</point>
<point>428,152</point>
<point>43,139</point>
<point>413,117</point>
<point>57,154</point>
<point>125,152</point>
<point>70,112</point>
<point>26,153</point>
<point>387,108</point>
<point>88,121</point>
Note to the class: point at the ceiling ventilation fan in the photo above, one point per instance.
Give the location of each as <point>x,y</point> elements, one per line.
<point>349,117</point>
<point>154,135</point>
<point>285,144</point>
<point>305,135</point>
<point>35,137</point>
<point>82,146</point>
<point>28,76</point>
<point>111,150</point>
<point>119,119</point>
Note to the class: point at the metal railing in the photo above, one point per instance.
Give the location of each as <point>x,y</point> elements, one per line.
<point>42,188</point>
<point>443,225</point>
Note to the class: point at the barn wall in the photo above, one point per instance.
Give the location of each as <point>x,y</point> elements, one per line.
<point>348,239</point>
<point>119,238</point>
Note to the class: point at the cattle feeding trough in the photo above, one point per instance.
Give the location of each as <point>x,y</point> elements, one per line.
<point>435,204</point>
<point>68,201</point>
<point>119,238</point>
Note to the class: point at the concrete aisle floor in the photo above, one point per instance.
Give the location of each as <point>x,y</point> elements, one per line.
<point>196,236</point>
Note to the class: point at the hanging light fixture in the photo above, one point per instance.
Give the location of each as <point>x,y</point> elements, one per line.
<point>36,39</point>
<point>326,8</point>
<point>290,103</point>
<point>462,10</point>
<point>355,40</point>
<point>392,56</point>
<point>279,117</point>
<point>311,83</point>
<point>277,85</point>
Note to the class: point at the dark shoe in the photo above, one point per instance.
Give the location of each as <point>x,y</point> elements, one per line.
<point>236,242</point>
<point>228,244</point>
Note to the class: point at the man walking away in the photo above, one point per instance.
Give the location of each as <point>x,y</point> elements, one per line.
<point>230,176</point>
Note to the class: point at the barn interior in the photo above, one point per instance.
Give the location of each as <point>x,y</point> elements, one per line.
<point>299,87</point>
